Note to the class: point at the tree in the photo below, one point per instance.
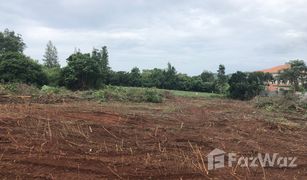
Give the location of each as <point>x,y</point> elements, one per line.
<point>221,83</point>
<point>120,78</point>
<point>296,74</point>
<point>197,84</point>
<point>208,81</point>
<point>11,42</point>
<point>51,56</point>
<point>16,67</point>
<point>105,63</point>
<point>184,82</point>
<point>102,57</point>
<point>170,78</point>
<point>245,86</point>
<point>256,83</point>
<point>105,58</point>
<point>153,78</point>
<point>81,72</point>
<point>238,86</point>
<point>135,77</point>
<point>207,76</point>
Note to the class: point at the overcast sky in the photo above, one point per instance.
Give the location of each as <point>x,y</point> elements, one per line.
<point>193,35</point>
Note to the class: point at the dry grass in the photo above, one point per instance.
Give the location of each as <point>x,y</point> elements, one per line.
<point>88,140</point>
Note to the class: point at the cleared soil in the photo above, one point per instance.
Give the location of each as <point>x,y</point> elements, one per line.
<point>87,140</point>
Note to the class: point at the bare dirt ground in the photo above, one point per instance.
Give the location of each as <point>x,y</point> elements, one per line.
<point>87,140</point>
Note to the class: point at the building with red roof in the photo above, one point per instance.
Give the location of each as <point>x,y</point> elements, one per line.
<point>277,85</point>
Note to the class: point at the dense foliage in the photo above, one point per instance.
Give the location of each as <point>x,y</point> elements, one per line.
<point>164,79</point>
<point>92,71</point>
<point>245,86</point>
<point>14,65</point>
<point>11,42</point>
<point>296,75</point>
<point>82,72</point>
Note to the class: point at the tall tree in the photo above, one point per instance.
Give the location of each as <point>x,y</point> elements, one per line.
<point>102,58</point>
<point>170,77</point>
<point>221,84</point>
<point>51,56</point>
<point>105,58</point>
<point>11,42</point>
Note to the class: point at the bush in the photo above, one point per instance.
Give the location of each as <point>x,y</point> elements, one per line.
<point>19,89</point>
<point>50,90</point>
<point>152,95</point>
<point>114,93</point>
<point>53,75</point>
<point>100,95</point>
<point>16,67</point>
<point>287,103</point>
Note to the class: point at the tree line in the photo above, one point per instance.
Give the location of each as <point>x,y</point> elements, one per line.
<point>92,71</point>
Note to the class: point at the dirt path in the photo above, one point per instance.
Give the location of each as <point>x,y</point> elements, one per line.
<point>85,140</point>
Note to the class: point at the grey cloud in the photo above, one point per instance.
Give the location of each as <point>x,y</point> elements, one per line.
<point>192,35</point>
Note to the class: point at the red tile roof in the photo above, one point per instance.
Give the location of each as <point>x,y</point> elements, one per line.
<point>276,69</point>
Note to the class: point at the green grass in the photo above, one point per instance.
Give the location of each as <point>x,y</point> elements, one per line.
<point>108,93</point>
<point>194,94</point>
<point>128,94</point>
<point>178,93</point>
<point>138,94</point>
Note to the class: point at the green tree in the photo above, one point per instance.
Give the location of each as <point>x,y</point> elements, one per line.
<point>81,72</point>
<point>105,63</point>
<point>102,57</point>
<point>135,77</point>
<point>170,78</point>
<point>16,67</point>
<point>105,58</point>
<point>11,42</point>
<point>153,78</point>
<point>221,83</point>
<point>238,86</point>
<point>184,82</point>
<point>207,76</point>
<point>120,78</point>
<point>51,56</point>
<point>296,74</point>
<point>245,86</point>
<point>256,83</point>
<point>197,84</point>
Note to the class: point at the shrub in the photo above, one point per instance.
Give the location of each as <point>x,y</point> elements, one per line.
<point>152,95</point>
<point>20,89</point>
<point>100,95</point>
<point>114,93</point>
<point>16,67</point>
<point>50,90</point>
<point>53,75</point>
<point>288,102</point>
